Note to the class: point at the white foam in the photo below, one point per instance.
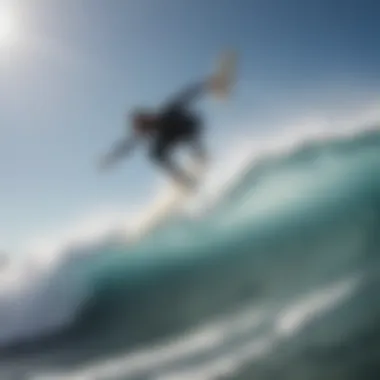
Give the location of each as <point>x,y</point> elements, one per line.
<point>197,342</point>
<point>35,301</point>
<point>163,361</point>
<point>295,316</point>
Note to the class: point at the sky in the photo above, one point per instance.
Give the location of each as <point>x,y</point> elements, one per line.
<point>71,70</point>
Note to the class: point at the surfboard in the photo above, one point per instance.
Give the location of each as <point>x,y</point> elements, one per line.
<point>170,200</point>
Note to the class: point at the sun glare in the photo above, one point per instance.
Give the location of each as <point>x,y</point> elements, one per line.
<point>7,27</point>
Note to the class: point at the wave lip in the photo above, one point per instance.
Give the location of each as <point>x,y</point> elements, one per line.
<point>37,301</point>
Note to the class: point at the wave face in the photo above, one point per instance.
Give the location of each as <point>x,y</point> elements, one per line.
<point>289,225</point>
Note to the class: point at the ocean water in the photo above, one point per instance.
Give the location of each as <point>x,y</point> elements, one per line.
<point>278,279</point>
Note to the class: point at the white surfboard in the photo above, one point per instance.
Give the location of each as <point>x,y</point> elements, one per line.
<point>170,200</point>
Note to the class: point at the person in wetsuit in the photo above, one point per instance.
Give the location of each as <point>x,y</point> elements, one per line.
<point>174,124</point>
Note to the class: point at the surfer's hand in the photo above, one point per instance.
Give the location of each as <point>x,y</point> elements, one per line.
<point>213,83</point>
<point>217,85</point>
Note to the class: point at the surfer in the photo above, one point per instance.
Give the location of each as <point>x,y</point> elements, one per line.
<point>167,128</point>
<point>175,124</point>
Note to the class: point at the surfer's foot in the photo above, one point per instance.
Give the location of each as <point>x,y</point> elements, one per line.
<point>187,182</point>
<point>181,178</point>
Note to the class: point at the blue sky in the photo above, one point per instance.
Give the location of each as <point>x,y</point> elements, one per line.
<point>77,67</point>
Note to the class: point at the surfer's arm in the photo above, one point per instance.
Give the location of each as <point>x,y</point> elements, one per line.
<point>187,96</point>
<point>119,151</point>
<point>193,92</point>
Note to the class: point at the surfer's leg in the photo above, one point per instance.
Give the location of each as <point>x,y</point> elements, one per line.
<point>199,150</point>
<point>196,141</point>
<point>161,155</point>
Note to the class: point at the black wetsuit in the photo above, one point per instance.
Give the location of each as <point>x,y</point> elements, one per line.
<point>176,124</point>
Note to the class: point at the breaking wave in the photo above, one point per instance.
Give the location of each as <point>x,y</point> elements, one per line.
<point>301,218</point>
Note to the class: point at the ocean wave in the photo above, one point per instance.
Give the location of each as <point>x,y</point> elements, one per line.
<point>316,203</point>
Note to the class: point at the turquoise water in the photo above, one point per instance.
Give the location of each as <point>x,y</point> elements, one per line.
<point>278,280</point>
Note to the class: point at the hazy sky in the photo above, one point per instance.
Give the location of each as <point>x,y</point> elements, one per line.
<point>71,69</point>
